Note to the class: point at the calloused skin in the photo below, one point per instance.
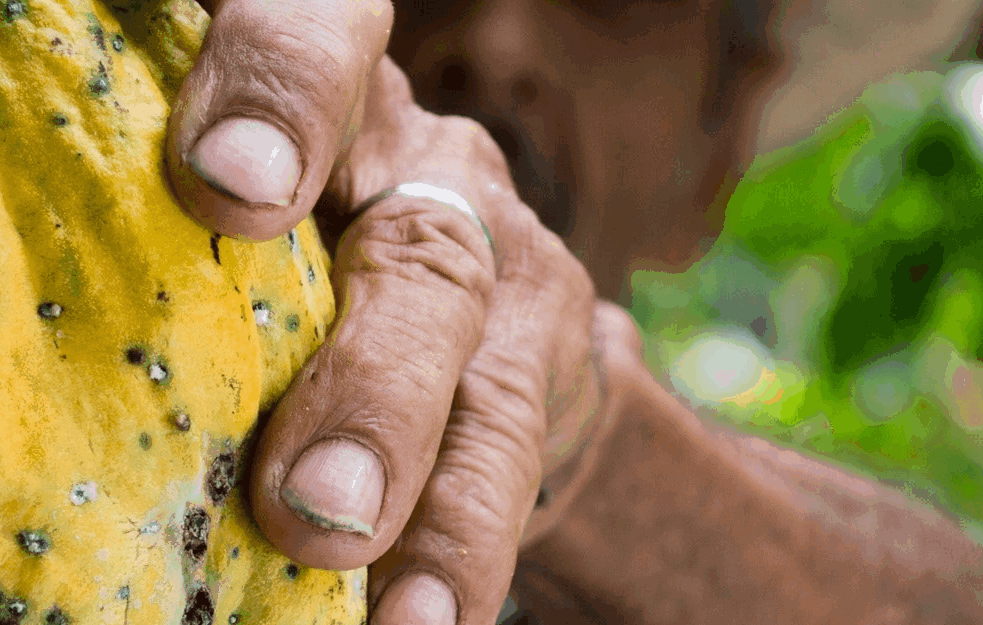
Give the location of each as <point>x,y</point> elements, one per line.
<point>468,378</point>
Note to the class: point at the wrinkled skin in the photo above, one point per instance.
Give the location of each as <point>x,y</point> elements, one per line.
<point>468,376</point>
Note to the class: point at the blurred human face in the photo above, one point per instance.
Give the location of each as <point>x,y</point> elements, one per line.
<point>624,122</point>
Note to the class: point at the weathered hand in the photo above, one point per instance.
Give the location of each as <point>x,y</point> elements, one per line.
<point>456,376</point>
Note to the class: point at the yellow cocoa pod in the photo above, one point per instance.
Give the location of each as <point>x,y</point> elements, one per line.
<point>137,349</point>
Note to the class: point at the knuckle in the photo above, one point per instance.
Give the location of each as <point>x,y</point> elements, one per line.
<point>616,327</point>
<point>501,405</point>
<point>477,144</point>
<point>425,244</point>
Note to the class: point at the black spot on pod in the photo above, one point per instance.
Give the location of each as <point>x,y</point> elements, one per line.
<point>99,83</point>
<point>196,527</point>
<point>14,9</point>
<point>293,323</point>
<point>50,310</point>
<point>221,477</point>
<point>12,610</point>
<point>136,356</point>
<point>234,554</point>
<point>213,243</point>
<point>146,442</point>
<point>118,43</point>
<point>234,619</point>
<point>34,542</point>
<point>55,616</point>
<point>59,119</point>
<point>200,610</point>
<point>291,571</point>
<point>98,34</point>
<point>162,296</point>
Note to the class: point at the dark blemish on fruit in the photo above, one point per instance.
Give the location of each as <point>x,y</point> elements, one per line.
<point>98,34</point>
<point>543,497</point>
<point>293,323</point>
<point>146,442</point>
<point>213,242</point>
<point>162,296</point>
<point>291,571</point>
<point>34,542</point>
<point>196,527</point>
<point>123,593</point>
<point>233,619</point>
<point>50,310</point>
<point>200,610</point>
<point>12,610</point>
<point>14,9</point>
<point>234,554</point>
<point>57,225</point>
<point>262,313</point>
<point>311,276</point>
<point>292,240</point>
<point>118,43</point>
<point>317,332</point>
<point>182,421</point>
<point>221,477</point>
<point>159,373</point>
<point>136,356</point>
<point>55,616</point>
<point>59,119</point>
<point>236,287</point>
<point>99,83</point>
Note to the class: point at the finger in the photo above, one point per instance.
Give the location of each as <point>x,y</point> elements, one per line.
<point>271,101</point>
<point>577,437</point>
<point>456,556</point>
<point>347,452</point>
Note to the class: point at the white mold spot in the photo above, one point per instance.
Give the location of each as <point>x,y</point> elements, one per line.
<point>50,310</point>
<point>262,313</point>
<point>157,372</point>
<point>83,492</point>
<point>150,528</point>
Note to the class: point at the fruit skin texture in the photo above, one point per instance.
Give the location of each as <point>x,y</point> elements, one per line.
<point>137,350</point>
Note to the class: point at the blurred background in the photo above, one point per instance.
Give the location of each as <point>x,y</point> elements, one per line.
<point>787,195</point>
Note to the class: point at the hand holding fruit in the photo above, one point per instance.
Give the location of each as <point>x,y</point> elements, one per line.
<point>457,373</point>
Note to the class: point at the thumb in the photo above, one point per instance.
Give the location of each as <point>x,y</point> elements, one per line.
<point>268,106</point>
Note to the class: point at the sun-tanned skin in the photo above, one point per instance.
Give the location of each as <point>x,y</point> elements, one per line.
<point>650,518</point>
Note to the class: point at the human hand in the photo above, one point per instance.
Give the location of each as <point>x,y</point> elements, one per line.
<point>456,376</point>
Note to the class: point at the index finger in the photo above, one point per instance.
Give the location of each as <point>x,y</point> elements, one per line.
<point>272,100</point>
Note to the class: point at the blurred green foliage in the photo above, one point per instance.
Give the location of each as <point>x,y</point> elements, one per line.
<point>841,309</point>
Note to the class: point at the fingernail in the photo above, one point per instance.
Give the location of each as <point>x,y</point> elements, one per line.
<point>338,485</point>
<point>249,159</point>
<point>416,599</point>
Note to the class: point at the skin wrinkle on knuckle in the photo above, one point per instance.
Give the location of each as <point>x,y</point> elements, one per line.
<point>476,504</point>
<point>415,245</point>
<point>504,416</point>
<point>493,445</point>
